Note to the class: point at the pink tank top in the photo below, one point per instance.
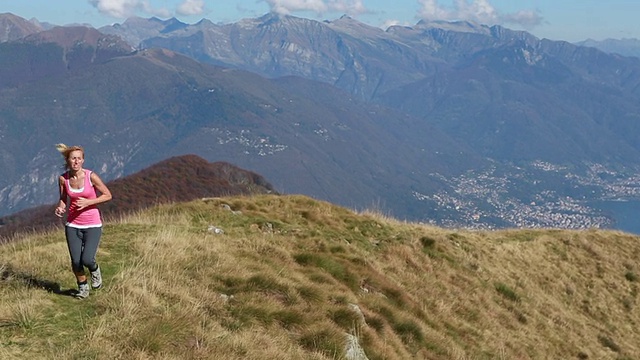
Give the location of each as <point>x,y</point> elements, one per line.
<point>88,217</point>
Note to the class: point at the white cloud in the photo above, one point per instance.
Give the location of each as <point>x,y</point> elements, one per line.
<point>393,22</point>
<point>480,11</point>
<point>127,8</point>
<point>526,18</point>
<point>351,7</point>
<point>191,7</point>
<point>430,10</point>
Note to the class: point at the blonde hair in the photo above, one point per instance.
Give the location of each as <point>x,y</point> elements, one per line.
<point>67,150</point>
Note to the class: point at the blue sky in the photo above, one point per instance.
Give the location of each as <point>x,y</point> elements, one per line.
<point>570,20</point>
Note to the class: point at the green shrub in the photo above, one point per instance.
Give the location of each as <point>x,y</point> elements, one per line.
<point>427,242</point>
<point>507,292</point>
<point>289,318</point>
<point>409,331</point>
<point>333,267</point>
<point>607,342</point>
<point>631,276</point>
<point>346,318</point>
<point>376,323</point>
<point>325,341</point>
<point>311,294</point>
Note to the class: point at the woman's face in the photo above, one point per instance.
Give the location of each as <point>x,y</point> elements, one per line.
<point>75,160</point>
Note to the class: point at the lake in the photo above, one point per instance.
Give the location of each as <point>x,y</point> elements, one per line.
<point>625,213</point>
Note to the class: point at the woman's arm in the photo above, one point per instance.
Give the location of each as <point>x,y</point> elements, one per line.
<point>62,203</point>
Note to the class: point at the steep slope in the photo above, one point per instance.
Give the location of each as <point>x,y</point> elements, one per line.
<point>178,179</point>
<point>518,103</point>
<point>55,53</point>
<point>357,58</point>
<point>295,278</point>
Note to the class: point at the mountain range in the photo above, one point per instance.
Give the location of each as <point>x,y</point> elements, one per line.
<point>451,123</point>
<point>624,47</point>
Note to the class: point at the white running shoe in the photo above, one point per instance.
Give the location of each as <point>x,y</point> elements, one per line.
<point>96,279</point>
<point>83,291</point>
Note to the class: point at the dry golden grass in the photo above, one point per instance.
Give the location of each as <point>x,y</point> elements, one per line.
<point>292,277</point>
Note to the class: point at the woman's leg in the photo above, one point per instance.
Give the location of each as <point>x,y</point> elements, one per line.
<point>74,243</point>
<point>91,242</point>
<point>75,239</point>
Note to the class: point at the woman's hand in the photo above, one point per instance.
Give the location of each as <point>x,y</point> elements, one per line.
<point>82,203</point>
<point>60,211</point>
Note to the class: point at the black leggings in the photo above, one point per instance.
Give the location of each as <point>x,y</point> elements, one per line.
<point>83,245</point>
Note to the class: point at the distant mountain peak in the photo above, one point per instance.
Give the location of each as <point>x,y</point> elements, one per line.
<point>137,21</point>
<point>272,17</point>
<point>163,26</point>
<point>274,20</point>
<point>13,27</point>
<point>624,47</point>
<point>352,26</point>
<point>173,24</point>
<point>204,22</point>
<point>134,29</point>
<point>10,16</point>
<point>457,26</point>
<point>71,36</point>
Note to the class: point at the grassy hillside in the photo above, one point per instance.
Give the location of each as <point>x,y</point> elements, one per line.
<point>295,278</point>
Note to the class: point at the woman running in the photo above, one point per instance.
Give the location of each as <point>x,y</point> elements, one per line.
<point>80,191</point>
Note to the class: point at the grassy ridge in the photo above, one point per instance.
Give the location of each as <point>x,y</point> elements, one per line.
<point>296,278</point>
